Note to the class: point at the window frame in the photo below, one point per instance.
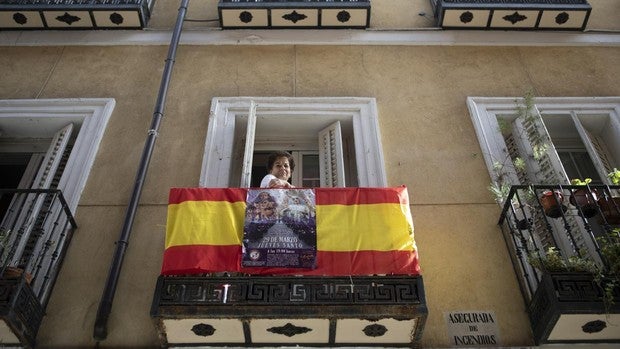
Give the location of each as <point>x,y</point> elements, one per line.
<point>216,165</point>
<point>35,115</point>
<point>484,112</point>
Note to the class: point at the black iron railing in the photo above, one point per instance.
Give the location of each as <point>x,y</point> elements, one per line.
<point>35,231</point>
<point>550,228</point>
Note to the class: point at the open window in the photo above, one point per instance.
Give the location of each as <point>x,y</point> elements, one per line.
<point>560,140</point>
<point>30,126</point>
<point>44,144</point>
<point>335,141</point>
<point>583,137</point>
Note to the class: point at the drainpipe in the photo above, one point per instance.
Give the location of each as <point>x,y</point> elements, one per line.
<point>105,305</point>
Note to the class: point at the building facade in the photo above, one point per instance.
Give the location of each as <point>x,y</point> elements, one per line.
<point>413,93</point>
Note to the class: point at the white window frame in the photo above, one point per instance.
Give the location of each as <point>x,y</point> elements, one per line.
<point>41,117</point>
<point>216,164</point>
<point>484,112</point>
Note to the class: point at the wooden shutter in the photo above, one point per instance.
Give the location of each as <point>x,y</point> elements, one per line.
<point>248,154</point>
<point>331,159</point>
<point>547,169</point>
<point>25,210</point>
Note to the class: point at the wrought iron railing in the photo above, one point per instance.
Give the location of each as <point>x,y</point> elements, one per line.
<point>559,228</point>
<point>34,234</point>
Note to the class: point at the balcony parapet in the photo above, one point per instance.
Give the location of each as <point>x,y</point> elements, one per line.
<point>564,242</point>
<point>294,14</point>
<point>72,14</point>
<point>513,14</point>
<point>279,310</point>
<point>560,296</point>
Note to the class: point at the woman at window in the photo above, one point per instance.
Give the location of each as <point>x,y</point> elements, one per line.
<point>280,166</point>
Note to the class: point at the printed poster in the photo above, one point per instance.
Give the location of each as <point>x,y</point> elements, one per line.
<point>280,229</point>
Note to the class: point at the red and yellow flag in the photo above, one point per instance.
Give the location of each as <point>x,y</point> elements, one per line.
<point>360,231</point>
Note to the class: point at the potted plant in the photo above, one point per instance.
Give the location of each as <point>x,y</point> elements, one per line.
<point>607,278</point>
<point>584,198</point>
<point>610,206</point>
<point>553,262</point>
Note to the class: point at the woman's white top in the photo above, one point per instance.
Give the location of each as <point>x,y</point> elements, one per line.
<point>265,182</point>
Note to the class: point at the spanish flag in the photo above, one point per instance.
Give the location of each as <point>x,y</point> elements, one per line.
<point>359,231</point>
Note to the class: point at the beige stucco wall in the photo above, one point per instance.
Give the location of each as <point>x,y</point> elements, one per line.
<point>428,139</point>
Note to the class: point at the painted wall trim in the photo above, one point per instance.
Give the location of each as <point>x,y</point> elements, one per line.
<point>431,37</point>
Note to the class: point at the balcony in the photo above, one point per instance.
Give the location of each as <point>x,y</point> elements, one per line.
<point>72,14</point>
<point>294,14</point>
<point>351,296</point>
<point>34,235</point>
<point>513,14</point>
<point>264,310</point>
<point>564,243</point>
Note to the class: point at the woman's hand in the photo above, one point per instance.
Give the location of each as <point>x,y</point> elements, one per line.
<point>279,183</point>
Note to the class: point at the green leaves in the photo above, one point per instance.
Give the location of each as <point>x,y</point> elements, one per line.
<point>578,181</point>
<point>614,176</point>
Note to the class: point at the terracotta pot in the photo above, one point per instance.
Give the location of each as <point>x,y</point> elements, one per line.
<point>552,204</point>
<point>585,200</point>
<point>610,208</point>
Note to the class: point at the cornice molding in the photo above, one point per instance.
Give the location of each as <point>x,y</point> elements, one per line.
<point>430,37</point>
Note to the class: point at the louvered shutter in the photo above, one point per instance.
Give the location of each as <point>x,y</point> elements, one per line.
<point>331,158</point>
<point>26,210</point>
<point>246,170</point>
<point>547,169</point>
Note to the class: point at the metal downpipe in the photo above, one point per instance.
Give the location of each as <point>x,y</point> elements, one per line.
<point>105,305</point>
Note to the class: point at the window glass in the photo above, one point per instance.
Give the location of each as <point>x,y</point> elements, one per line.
<point>577,164</point>
<point>310,171</point>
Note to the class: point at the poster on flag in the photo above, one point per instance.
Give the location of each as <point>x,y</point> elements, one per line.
<point>280,229</point>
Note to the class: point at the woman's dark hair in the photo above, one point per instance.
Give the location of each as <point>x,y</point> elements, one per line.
<point>280,154</point>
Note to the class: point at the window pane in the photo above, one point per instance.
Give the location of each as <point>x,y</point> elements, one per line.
<point>310,171</point>
<point>578,164</point>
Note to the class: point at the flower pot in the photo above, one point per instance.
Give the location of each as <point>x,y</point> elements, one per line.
<point>551,202</point>
<point>586,201</point>
<point>610,207</point>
